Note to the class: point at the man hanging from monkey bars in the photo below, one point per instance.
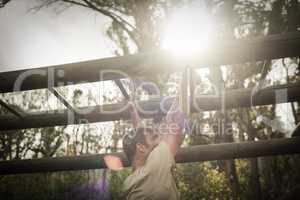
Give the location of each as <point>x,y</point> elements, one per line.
<point>151,153</point>
<point>151,150</point>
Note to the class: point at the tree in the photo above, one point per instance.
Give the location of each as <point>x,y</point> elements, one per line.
<point>133,22</point>
<point>3,2</point>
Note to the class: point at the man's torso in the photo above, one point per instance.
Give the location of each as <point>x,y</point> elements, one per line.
<point>155,179</point>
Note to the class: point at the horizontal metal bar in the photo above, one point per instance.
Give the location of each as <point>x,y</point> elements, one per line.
<point>189,154</point>
<point>234,98</point>
<point>147,64</point>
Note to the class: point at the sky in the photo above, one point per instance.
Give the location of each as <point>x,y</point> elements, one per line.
<point>35,39</point>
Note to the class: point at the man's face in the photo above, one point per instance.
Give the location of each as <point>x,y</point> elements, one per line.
<point>151,141</point>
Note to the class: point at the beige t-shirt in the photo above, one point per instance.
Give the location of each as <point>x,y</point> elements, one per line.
<point>154,180</point>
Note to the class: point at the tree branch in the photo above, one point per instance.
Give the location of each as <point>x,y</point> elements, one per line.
<point>47,3</point>
<point>76,3</point>
<point>115,18</point>
<point>102,6</point>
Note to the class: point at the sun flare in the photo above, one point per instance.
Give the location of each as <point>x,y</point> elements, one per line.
<point>187,33</point>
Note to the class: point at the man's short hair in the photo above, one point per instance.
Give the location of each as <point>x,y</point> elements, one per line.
<point>130,141</point>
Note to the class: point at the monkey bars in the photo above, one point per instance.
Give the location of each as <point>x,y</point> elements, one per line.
<point>234,98</point>
<point>188,154</point>
<point>229,52</point>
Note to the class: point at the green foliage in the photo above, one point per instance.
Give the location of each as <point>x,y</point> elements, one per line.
<point>116,180</point>
<point>40,186</point>
<point>201,181</point>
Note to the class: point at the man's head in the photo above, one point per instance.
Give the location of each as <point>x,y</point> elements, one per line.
<point>139,144</point>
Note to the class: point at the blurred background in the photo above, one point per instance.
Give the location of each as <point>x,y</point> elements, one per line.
<point>36,33</point>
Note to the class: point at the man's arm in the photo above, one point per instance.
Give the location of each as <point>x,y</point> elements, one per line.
<point>136,120</point>
<point>175,122</point>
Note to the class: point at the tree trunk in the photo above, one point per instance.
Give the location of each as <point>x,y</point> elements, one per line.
<point>230,168</point>
<point>144,25</point>
<point>254,177</point>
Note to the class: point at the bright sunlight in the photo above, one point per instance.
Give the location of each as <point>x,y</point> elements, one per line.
<point>188,32</point>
